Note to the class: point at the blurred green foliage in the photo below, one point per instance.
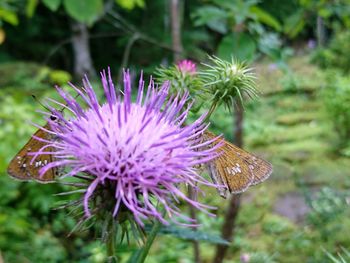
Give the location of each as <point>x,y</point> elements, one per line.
<point>244,26</point>
<point>336,54</point>
<point>336,97</point>
<point>326,209</point>
<point>340,257</point>
<point>8,13</point>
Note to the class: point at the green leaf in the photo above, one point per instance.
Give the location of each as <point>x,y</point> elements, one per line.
<point>325,12</point>
<point>239,45</point>
<point>134,256</point>
<point>8,16</point>
<point>189,234</point>
<point>53,5</point>
<point>294,24</point>
<point>270,44</point>
<point>266,18</point>
<point>340,258</point>
<point>85,11</point>
<point>31,6</point>
<point>213,17</point>
<point>130,4</point>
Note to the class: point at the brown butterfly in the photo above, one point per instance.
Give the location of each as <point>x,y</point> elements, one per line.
<point>235,168</point>
<point>21,166</point>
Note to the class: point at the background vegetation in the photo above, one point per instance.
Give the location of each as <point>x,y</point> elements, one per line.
<point>301,123</point>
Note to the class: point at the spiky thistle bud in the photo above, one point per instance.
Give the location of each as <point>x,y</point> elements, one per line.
<point>183,78</point>
<point>228,81</point>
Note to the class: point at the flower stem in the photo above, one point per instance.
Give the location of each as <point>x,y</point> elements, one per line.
<point>150,238</point>
<point>211,110</point>
<point>111,253</point>
<point>196,248</point>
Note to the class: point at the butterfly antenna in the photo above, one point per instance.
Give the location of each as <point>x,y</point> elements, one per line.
<point>45,107</point>
<point>40,103</point>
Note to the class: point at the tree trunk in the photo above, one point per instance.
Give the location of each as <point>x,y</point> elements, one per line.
<point>176,29</point>
<point>321,32</point>
<point>81,50</point>
<point>228,228</point>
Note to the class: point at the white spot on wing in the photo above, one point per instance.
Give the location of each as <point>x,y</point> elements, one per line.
<point>234,170</point>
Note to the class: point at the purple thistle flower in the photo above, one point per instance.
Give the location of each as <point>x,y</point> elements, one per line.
<point>245,258</point>
<point>138,151</point>
<point>187,66</point>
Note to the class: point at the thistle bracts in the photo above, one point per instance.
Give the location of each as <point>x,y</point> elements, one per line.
<point>227,82</point>
<point>183,77</point>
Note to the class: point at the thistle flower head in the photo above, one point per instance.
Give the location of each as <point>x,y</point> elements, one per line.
<point>187,66</point>
<point>227,81</point>
<point>183,78</point>
<point>135,155</point>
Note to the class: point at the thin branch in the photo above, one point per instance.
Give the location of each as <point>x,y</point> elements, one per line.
<point>126,54</point>
<point>196,248</point>
<point>68,40</point>
<point>129,28</point>
<point>176,29</point>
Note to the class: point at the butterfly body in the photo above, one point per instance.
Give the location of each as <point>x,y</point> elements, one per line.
<point>23,168</point>
<point>235,168</point>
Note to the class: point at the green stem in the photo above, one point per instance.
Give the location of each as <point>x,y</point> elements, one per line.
<point>150,238</point>
<point>111,246</point>
<point>211,110</point>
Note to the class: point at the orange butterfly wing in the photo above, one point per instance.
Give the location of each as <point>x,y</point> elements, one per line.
<point>236,168</point>
<point>261,168</point>
<point>20,166</point>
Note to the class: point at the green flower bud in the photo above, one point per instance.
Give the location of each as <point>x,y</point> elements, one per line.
<point>228,81</point>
